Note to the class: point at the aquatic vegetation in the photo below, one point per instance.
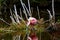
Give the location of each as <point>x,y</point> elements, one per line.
<point>31,28</point>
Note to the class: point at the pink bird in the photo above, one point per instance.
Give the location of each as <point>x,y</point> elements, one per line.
<point>32,21</point>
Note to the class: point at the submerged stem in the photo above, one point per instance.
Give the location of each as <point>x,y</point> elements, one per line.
<point>50,15</point>
<point>21,13</point>
<point>13,21</point>
<point>17,20</point>
<point>38,12</point>
<point>24,9</point>
<point>4,21</point>
<point>29,8</point>
<point>53,10</point>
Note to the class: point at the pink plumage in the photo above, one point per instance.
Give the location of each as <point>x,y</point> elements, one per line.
<point>32,21</point>
<point>33,37</point>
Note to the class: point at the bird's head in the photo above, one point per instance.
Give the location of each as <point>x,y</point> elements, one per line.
<point>32,21</point>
